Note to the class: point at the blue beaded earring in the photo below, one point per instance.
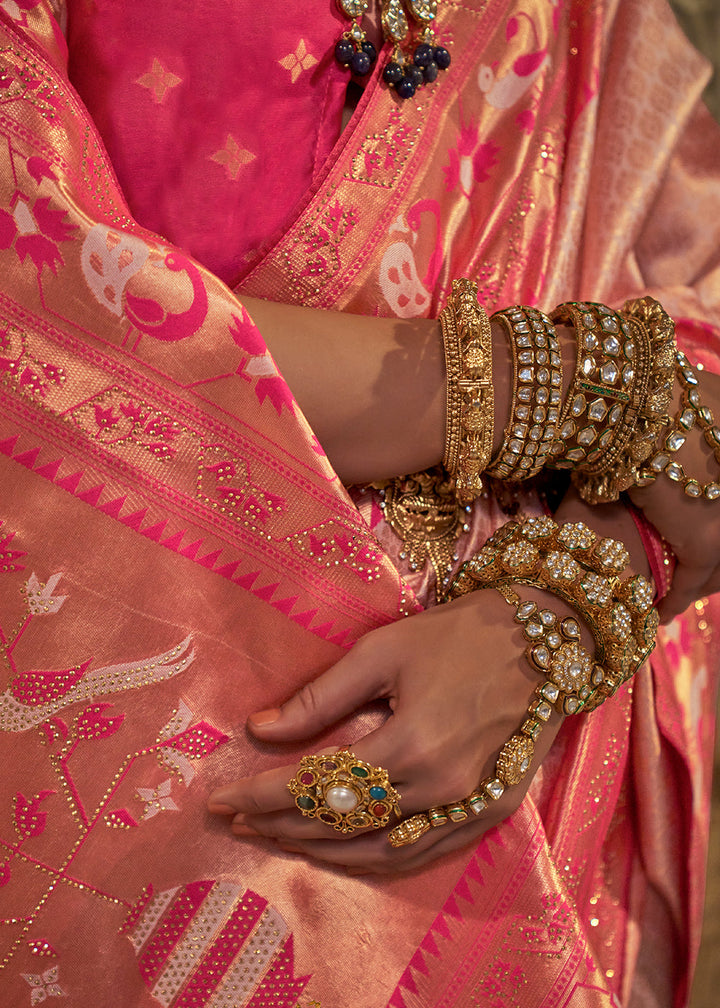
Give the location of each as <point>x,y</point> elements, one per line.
<point>404,72</point>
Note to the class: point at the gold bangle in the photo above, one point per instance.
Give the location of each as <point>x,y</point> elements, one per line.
<point>617,405</point>
<point>470,404</point>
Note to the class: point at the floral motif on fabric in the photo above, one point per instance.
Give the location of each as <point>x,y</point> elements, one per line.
<point>321,241</point>
<point>114,417</point>
<point>502,986</point>
<point>223,481</point>
<point>25,81</point>
<point>158,81</point>
<point>9,557</point>
<point>547,934</point>
<point>298,61</point>
<point>216,944</point>
<point>52,827</point>
<point>258,367</point>
<point>330,545</point>
<point>382,155</point>
<point>232,157</point>
<point>44,985</point>
<point>21,369</point>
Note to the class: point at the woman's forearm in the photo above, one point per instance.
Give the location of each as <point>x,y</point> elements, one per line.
<point>373,389</point>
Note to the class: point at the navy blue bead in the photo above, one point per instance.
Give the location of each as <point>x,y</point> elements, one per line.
<point>423,55</point>
<point>344,51</point>
<point>405,88</point>
<point>360,64</point>
<point>369,49</point>
<point>392,73</point>
<point>416,75</point>
<point>430,72</point>
<point>442,57</point>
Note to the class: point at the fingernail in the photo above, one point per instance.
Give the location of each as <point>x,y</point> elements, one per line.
<point>222,800</point>
<point>265,717</point>
<point>219,808</point>
<point>241,828</point>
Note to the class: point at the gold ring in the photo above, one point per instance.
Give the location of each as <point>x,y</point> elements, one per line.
<point>344,792</point>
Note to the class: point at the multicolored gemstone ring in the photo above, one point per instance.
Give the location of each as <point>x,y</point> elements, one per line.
<point>344,792</point>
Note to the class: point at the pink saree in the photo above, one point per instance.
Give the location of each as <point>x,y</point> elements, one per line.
<point>176,551</point>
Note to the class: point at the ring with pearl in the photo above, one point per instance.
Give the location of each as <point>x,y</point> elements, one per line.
<point>344,792</point>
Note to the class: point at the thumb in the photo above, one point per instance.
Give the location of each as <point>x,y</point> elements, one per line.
<point>355,680</point>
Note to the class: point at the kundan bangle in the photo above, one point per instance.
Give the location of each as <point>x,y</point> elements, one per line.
<point>573,563</point>
<point>537,392</point>
<point>622,388</point>
<point>470,413</point>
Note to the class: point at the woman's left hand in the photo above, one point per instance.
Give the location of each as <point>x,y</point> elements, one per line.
<point>457,688</point>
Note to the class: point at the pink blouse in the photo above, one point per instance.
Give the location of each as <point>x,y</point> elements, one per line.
<point>183,106</point>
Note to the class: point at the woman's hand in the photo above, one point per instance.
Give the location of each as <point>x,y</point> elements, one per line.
<point>691,527</point>
<point>457,687</point>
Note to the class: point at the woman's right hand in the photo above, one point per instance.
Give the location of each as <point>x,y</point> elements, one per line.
<point>457,688</point>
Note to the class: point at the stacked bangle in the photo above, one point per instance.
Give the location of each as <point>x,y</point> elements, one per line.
<point>470,414</point>
<point>571,562</point>
<point>537,392</point>
<point>619,397</point>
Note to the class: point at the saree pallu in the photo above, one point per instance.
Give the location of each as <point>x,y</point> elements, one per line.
<point>176,550</point>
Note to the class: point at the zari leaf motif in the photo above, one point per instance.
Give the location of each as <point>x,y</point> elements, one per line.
<point>40,598</point>
<point>199,740</point>
<point>29,820</point>
<point>92,724</point>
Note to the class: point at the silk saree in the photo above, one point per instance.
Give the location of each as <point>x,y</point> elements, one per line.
<point>176,550</point>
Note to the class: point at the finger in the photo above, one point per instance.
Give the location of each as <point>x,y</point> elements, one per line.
<point>268,791</point>
<point>359,677</point>
<point>373,852</point>
<point>265,792</point>
<point>291,826</point>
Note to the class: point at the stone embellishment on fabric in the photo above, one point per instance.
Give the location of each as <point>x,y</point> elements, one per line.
<point>44,985</point>
<point>213,944</point>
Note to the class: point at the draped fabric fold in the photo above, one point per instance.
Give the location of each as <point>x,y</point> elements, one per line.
<point>176,550</point>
